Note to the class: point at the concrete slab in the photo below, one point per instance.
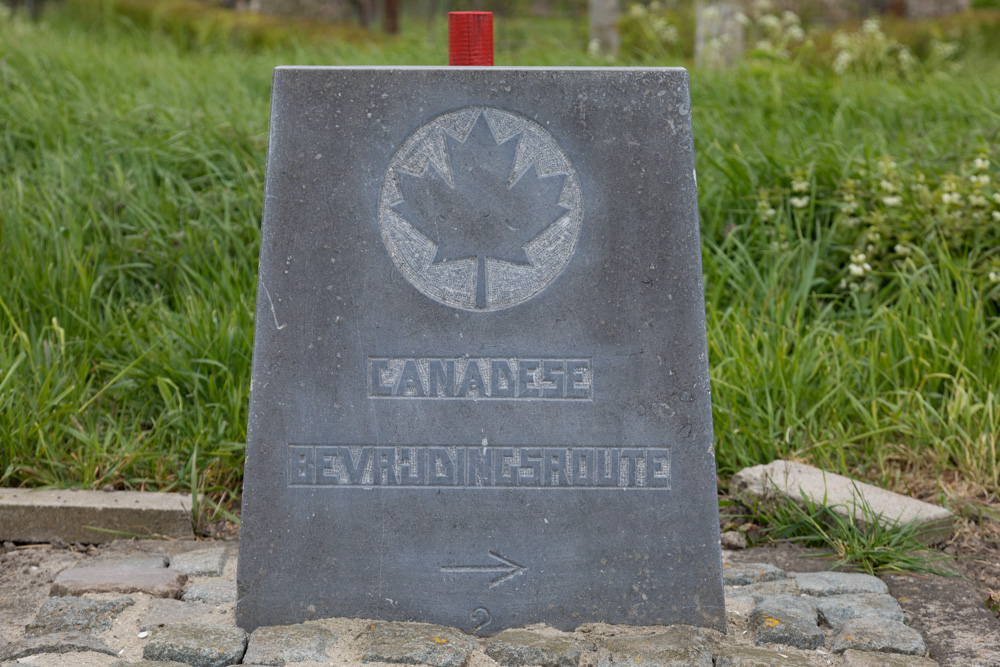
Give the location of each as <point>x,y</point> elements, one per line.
<point>842,494</point>
<point>46,515</point>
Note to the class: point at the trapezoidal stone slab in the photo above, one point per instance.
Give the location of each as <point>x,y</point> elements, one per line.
<point>480,391</point>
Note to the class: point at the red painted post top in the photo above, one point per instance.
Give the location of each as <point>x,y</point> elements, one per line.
<point>470,38</point>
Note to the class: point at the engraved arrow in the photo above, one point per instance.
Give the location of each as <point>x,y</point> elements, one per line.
<point>509,568</point>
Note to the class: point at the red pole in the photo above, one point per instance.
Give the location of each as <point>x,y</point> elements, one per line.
<point>470,38</point>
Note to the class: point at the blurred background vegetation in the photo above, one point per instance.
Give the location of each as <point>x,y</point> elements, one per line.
<point>847,161</point>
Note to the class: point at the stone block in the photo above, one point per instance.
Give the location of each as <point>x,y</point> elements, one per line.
<point>821,584</point>
<point>418,644</point>
<point>201,562</point>
<point>480,299</point>
<point>147,663</point>
<point>675,646</point>
<point>74,614</point>
<point>843,495</point>
<point>158,582</point>
<point>527,647</point>
<point>197,645</point>
<point>56,642</point>
<point>867,634</point>
<point>279,644</point>
<point>839,609</point>
<point>47,515</point>
<point>756,592</point>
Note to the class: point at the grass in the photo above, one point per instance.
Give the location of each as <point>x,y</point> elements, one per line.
<point>131,178</point>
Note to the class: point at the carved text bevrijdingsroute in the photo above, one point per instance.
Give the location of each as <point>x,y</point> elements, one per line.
<point>637,468</point>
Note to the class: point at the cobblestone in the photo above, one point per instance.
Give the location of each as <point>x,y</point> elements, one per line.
<point>527,647</point>
<point>201,562</point>
<point>822,584</point>
<point>166,611</point>
<point>55,642</point>
<point>867,634</point>
<point>73,614</point>
<point>158,582</point>
<point>418,643</point>
<point>197,645</point>
<point>838,609</point>
<point>782,619</point>
<point>750,573</point>
<point>279,644</point>
<point>211,592</point>
<point>676,646</point>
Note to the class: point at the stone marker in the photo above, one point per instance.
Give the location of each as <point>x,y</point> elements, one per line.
<point>843,495</point>
<point>480,392</point>
<point>46,515</point>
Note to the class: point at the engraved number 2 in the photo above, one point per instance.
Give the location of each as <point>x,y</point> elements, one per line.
<point>481,617</point>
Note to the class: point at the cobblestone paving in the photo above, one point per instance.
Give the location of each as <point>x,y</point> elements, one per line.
<point>774,617</point>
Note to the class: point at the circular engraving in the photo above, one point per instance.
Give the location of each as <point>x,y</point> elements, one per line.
<point>480,209</point>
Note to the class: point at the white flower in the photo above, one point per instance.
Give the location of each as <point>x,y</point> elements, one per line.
<point>856,270</point>
<point>842,62</point>
<point>996,216</point>
<point>799,202</point>
<point>994,277</point>
<point>742,19</point>
<point>980,179</point>
<point>858,257</point>
<point>951,198</point>
<point>887,186</point>
<point>894,200</point>
<point>795,33</point>
<point>871,26</point>
<point>849,207</point>
<point>902,249</point>
<point>800,186</point>
<point>769,21</point>
<point>791,18</point>
<point>996,197</point>
<point>978,200</point>
<point>980,164</point>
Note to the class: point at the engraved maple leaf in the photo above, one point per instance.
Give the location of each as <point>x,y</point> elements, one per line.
<point>482,214</point>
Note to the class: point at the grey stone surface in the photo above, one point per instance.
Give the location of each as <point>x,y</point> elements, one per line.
<point>821,584</point>
<point>750,573</point>
<point>147,663</point>
<point>46,515</point>
<point>949,613</point>
<point>197,645</point>
<point>200,563</point>
<point>528,647</point>
<point>278,644</point>
<point>56,642</point>
<point>676,646</point>
<point>418,644</point>
<point>783,619</point>
<point>751,656</point>
<point>158,582</point>
<point>73,614</point>
<point>866,634</point>
<point>167,611</point>
<point>122,560</point>
<point>839,609</point>
<point>854,658</point>
<point>479,288</point>
<point>843,495</point>
<point>211,592</point>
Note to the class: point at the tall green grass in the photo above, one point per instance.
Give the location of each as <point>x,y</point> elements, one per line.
<point>131,177</point>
